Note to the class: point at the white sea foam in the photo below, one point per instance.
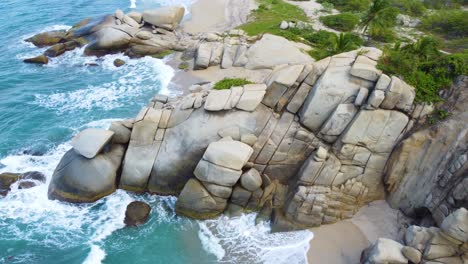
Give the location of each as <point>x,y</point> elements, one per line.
<point>96,256</point>
<point>239,240</point>
<point>134,79</point>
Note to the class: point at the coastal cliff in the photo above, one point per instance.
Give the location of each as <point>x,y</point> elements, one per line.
<point>310,144</point>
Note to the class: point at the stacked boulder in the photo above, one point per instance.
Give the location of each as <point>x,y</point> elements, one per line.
<point>88,171</point>
<point>136,34</point>
<point>217,172</point>
<point>447,244</point>
<point>245,98</point>
<point>234,49</point>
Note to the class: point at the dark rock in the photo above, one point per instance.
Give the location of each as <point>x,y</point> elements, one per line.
<point>91,64</point>
<point>56,50</point>
<point>6,180</point>
<point>119,62</point>
<point>136,51</point>
<point>137,213</point>
<point>47,38</point>
<point>34,175</point>
<point>41,59</point>
<point>26,184</point>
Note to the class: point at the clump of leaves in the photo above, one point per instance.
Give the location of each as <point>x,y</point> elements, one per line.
<point>423,66</point>
<point>328,44</point>
<point>341,22</point>
<point>227,83</point>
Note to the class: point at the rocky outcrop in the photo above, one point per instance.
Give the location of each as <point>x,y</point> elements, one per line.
<point>25,180</point>
<point>137,213</point>
<point>433,160</point>
<point>425,245</point>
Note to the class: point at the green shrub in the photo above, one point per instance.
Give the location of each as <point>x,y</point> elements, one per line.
<point>348,5</point>
<point>414,8</point>
<point>448,23</point>
<point>270,14</point>
<point>421,65</point>
<point>328,44</point>
<point>327,7</point>
<point>382,34</point>
<point>341,22</point>
<point>227,83</point>
<point>439,4</point>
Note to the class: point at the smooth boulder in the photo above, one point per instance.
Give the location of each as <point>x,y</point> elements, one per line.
<point>137,213</point>
<point>164,17</point>
<point>81,180</point>
<point>41,59</point>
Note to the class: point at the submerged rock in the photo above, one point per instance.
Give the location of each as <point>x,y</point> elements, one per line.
<point>119,62</point>
<point>41,59</point>
<point>137,213</point>
<point>27,180</point>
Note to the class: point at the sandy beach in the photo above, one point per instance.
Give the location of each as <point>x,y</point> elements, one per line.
<point>343,242</point>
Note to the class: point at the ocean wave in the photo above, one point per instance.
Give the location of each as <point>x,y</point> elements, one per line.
<point>136,77</point>
<point>239,240</point>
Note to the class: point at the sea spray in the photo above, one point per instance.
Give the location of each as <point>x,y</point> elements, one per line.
<point>239,240</point>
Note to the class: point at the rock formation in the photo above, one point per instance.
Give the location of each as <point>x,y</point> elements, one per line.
<point>308,145</point>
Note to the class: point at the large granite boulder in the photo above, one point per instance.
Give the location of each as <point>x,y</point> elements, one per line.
<point>190,138</point>
<point>456,225</point>
<point>164,17</point>
<point>272,50</point>
<point>47,38</point>
<point>384,251</point>
<point>196,202</point>
<point>81,180</point>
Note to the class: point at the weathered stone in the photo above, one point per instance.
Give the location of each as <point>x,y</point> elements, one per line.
<point>365,68</point>
<point>456,225</point>
<point>361,96</point>
<point>78,179</point>
<point>251,180</point>
<point>196,202</point>
<point>218,190</point>
<point>337,122</point>
<point>228,56</point>
<point>209,172</point>
<point>248,139</point>
<point>229,154</point>
<point>164,17</point>
<point>41,59</point>
<point>383,82</point>
<point>272,50</point>
<point>91,141</point>
<point>384,251</point>
<point>232,131</point>
<point>144,35</point>
<point>412,254</point>
<point>381,129</point>
<point>202,60</point>
<point>137,213</point>
<point>217,99</point>
<point>137,16</point>
<point>241,56</point>
<point>250,99</point>
<point>279,82</point>
<point>47,38</point>
<point>376,98</point>
<point>121,133</point>
<point>240,196</point>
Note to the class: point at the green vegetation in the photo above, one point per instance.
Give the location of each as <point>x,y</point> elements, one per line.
<point>328,44</point>
<point>270,14</point>
<point>448,23</point>
<point>162,54</point>
<point>227,83</point>
<point>348,5</point>
<point>380,15</point>
<point>184,65</point>
<point>413,8</point>
<point>341,22</point>
<point>421,65</point>
<point>439,4</point>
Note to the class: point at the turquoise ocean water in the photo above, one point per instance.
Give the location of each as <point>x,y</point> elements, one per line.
<point>42,107</point>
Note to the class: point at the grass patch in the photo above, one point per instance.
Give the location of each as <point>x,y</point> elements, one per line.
<point>341,22</point>
<point>162,54</point>
<point>421,65</point>
<point>184,65</point>
<point>348,5</point>
<point>227,83</point>
<point>270,14</point>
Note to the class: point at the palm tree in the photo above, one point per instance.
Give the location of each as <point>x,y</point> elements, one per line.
<point>342,43</point>
<point>380,13</point>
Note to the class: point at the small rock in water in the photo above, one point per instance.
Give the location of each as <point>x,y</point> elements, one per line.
<point>91,64</point>
<point>26,184</point>
<point>118,62</point>
<point>34,175</point>
<point>137,213</point>
<point>41,59</point>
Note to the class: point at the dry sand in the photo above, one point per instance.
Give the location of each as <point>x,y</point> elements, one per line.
<point>217,15</point>
<point>343,242</point>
